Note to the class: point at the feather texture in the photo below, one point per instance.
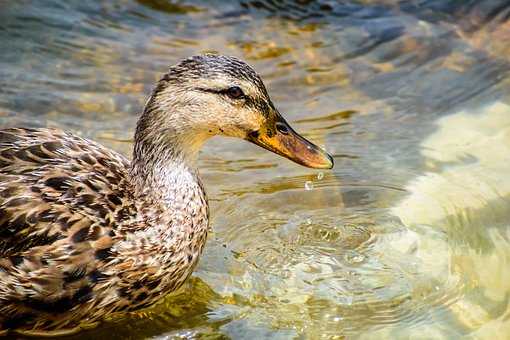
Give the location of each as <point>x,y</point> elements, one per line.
<point>77,243</point>
<point>85,233</point>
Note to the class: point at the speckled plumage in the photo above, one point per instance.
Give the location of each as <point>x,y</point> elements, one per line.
<point>85,233</point>
<point>77,242</point>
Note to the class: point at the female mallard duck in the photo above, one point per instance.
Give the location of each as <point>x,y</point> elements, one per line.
<point>85,233</point>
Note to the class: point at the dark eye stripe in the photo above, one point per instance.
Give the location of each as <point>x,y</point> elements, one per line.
<point>233,92</point>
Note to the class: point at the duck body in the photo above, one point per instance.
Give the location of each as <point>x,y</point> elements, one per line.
<point>86,233</point>
<point>78,241</point>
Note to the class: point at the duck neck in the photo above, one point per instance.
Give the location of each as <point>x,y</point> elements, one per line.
<point>164,158</point>
<point>173,218</point>
<point>158,170</point>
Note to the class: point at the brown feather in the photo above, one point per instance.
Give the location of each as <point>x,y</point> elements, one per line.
<point>84,233</point>
<point>65,203</point>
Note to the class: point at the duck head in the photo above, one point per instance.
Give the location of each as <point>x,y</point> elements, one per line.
<point>210,95</point>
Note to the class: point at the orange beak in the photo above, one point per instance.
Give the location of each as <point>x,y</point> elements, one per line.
<point>288,143</point>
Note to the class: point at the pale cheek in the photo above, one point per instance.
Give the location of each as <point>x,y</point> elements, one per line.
<point>215,116</point>
<point>254,120</point>
<point>246,121</point>
<point>229,120</point>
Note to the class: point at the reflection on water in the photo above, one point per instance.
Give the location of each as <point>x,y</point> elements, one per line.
<point>407,237</point>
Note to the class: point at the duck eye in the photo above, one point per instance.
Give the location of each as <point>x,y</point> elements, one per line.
<point>235,92</point>
<point>282,128</point>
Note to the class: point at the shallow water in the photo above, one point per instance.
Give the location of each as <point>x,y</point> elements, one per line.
<point>408,236</point>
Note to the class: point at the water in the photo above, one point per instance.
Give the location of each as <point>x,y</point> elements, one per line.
<point>408,236</point>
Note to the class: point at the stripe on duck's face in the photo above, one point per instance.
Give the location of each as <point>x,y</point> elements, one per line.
<point>224,96</point>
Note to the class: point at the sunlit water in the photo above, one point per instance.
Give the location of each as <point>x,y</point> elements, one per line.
<point>408,237</point>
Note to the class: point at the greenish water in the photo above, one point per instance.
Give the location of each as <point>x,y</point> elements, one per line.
<point>408,236</point>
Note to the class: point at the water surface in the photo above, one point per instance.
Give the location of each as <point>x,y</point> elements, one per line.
<point>408,236</point>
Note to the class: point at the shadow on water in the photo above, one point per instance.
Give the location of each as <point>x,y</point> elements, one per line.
<point>183,309</point>
<point>169,7</point>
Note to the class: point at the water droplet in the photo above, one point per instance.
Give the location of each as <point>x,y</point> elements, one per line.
<point>308,185</point>
<point>320,175</point>
<point>337,318</point>
<point>348,300</point>
<point>354,257</point>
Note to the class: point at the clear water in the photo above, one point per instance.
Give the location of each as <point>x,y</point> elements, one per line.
<point>408,236</point>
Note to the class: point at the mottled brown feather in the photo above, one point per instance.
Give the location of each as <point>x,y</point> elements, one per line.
<point>84,233</point>
<point>65,202</point>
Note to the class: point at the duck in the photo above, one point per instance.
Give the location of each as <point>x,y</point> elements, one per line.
<point>86,234</point>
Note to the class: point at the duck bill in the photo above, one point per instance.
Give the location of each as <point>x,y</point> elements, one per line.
<point>288,143</point>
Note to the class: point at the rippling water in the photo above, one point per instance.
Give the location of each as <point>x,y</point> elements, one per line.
<point>408,237</point>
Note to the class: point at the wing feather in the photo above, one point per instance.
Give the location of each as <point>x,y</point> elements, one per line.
<point>51,182</point>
